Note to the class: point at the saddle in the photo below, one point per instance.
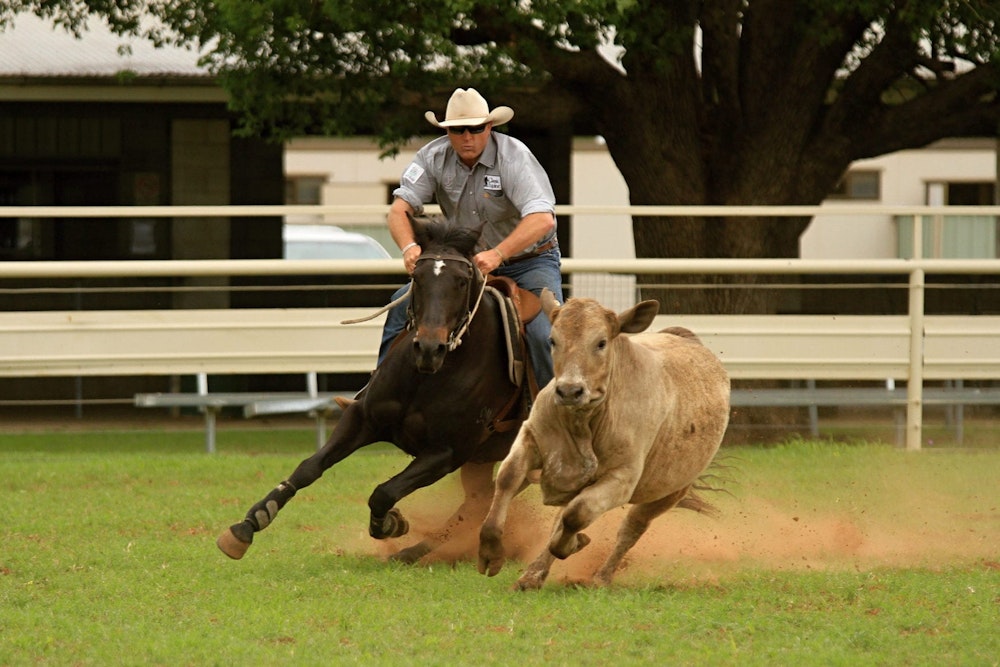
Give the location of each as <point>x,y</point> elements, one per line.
<point>517,307</point>
<point>526,303</point>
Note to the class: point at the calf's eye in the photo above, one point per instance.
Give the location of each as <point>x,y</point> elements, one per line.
<point>603,343</point>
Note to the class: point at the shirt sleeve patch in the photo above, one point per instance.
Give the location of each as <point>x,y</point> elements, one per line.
<point>413,173</point>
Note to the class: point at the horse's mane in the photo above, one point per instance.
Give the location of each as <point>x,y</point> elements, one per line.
<point>437,232</point>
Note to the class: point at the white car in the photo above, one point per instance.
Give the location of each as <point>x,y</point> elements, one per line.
<point>329,242</point>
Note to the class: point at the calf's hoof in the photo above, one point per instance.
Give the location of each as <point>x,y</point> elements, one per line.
<point>231,544</point>
<point>491,554</point>
<point>530,581</point>
<point>565,548</point>
<point>411,555</point>
<point>490,565</point>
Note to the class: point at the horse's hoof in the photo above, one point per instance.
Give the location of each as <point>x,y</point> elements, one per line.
<point>231,545</point>
<point>391,525</point>
<point>395,525</point>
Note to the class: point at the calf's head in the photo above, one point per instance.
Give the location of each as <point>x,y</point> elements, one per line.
<point>583,341</point>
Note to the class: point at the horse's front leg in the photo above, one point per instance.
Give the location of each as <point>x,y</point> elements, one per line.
<point>350,435</point>
<point>386,520</point>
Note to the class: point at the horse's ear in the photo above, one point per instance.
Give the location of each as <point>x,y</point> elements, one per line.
<point>419,224</point>
<point>550,305</point>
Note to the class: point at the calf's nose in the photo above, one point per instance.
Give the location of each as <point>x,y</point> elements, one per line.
<point>570,392</point>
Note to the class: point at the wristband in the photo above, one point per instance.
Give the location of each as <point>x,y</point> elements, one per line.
<point>503,260</point>
<point>406,247</point>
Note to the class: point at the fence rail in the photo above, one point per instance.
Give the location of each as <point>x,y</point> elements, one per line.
<point>917,270</point>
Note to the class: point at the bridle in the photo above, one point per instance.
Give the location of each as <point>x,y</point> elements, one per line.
<point>455,337</point>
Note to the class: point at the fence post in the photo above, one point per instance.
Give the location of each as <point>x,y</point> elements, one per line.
<point>915,381</point>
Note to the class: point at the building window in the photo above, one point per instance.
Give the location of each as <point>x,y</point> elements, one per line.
<point>865,185</point>
<point>971,194</point>
<point>304,190</point>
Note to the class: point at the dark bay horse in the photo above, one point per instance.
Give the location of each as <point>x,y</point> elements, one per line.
<point>443,395</point>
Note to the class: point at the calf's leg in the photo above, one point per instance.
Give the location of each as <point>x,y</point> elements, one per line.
<point>612,490</point>
<point>636,523</point>
<point>512,478</point>
<point>534,575</point>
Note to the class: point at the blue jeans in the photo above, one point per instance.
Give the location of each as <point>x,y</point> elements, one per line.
<point>531,274</point>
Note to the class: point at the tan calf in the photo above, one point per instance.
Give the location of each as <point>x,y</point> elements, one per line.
<point>627,420</point>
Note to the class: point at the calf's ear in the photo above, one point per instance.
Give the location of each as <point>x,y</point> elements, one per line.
<point>549,303</point>
<point>638,317</point>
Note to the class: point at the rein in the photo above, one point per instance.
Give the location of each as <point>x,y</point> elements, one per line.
<point>386,307</point>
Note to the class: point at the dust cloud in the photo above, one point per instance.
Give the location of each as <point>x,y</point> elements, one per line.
<point>751,532</point>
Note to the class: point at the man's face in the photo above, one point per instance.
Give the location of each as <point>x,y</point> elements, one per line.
<point>468,145</point>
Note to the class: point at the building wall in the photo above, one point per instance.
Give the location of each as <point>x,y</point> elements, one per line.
<point>142,153</point>
<point>354,174</point>
<point>906,177</point>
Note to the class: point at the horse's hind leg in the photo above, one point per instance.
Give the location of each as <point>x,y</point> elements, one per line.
<point>636,523</point>
<point>477,483</point>
<point>349,436</point>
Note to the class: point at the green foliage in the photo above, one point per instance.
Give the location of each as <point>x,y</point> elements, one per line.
<point>108,558</point>
<point>729,102</point>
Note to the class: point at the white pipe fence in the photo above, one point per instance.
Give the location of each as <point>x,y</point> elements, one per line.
<point>916,269</point>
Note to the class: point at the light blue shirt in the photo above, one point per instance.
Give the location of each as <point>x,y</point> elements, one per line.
<point>506,184</point>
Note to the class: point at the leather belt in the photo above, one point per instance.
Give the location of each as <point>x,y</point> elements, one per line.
<point>545,247</point>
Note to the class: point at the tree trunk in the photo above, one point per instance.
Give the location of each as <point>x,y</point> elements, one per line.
<point>727,237</point>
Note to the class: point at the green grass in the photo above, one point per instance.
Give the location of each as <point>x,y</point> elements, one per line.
<point>825,554</point>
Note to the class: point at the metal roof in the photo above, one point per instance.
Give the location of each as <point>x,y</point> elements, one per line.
<point>33,47</point>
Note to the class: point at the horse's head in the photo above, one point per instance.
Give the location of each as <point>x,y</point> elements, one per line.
<point>446,288</point>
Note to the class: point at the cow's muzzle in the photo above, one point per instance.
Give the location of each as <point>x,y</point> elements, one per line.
<point>572,393</point>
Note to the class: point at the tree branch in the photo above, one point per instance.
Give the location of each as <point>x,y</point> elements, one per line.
<point>965,106</point>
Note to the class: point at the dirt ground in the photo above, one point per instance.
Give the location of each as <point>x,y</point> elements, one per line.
<point>753,533</point>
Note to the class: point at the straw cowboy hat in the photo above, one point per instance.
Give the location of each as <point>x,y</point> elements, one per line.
<point>467,107</point>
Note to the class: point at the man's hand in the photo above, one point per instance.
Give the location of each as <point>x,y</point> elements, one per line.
<point>488,260</point>
<point>410,258</point>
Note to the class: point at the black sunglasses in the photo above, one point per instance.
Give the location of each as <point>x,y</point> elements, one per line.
<point>478,129</point>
